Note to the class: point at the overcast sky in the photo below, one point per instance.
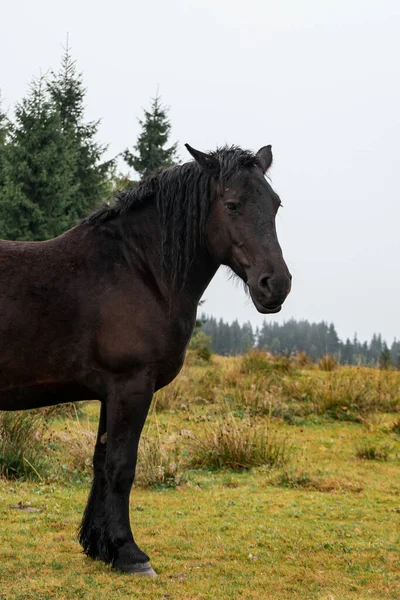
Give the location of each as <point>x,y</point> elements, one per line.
<point>317,79</point>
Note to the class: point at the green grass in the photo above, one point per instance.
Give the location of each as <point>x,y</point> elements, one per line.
<point>325,525</point>
<point>368,450</point>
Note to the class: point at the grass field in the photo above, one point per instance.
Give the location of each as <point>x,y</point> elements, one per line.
<point>322,523</point>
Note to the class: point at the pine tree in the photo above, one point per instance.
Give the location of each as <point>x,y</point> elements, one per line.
<point>275,346</point>
<point>247,338</point>
<point>395,352</point>
<point>375,347</point>
<point>263,336</point>
<point>38,183</point>
<point>51,174</point>
<point>385,358</point>
<point>91,176</point>
<point>332,342</point>
<point>347,352</point>
<point>151,153</point>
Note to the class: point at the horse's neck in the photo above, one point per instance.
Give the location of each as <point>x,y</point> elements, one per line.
<point>200,275</point>
<point>146,234</point>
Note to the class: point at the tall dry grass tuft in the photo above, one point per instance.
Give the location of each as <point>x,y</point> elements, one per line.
<point>80,442</point>
<point>168,397</point>
<point>238,445</point>
<point>196,383</point>
<point>327,363</point>
<point>292,478</point>
<point>302,360</point>
<point>348,393</point>
<point>159,464</point>
<point>22,446</point>
<point>261,362</point>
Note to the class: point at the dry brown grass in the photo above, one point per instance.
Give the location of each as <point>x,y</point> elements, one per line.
<point>294,478</point>
<point>22,445</point>
<point>77,440</point>
<point>261,362</point>
<point>159,464</point>
<point>301,360</point>
<point>168,398</point>
<point>327,363</point>
<point>238,445</point>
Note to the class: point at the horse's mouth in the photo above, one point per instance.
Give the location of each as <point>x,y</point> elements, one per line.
<point>266,309</point>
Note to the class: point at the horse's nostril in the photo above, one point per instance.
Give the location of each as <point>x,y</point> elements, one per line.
<point>264,282</point>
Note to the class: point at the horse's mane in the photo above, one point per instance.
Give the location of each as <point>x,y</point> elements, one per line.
<point>182,194</point>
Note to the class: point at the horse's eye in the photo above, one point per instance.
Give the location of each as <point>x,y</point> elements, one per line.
<point>231,206</point>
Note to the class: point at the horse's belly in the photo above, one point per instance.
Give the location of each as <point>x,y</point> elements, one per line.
<point>21,398</point>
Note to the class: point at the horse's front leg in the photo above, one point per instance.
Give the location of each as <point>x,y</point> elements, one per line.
<point>93,534</point>
<point>127,407</point>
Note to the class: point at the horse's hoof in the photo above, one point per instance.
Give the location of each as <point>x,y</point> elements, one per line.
<point>137,569</point>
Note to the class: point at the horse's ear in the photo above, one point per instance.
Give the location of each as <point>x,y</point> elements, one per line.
<point>264,156</point>
<point>205,161</point>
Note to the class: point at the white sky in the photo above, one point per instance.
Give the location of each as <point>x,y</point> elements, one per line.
<point>318,79</point>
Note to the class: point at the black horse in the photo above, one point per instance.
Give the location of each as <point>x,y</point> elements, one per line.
<point>107,309</point>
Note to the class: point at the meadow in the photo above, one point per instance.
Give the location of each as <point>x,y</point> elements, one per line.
<point>259,477</point>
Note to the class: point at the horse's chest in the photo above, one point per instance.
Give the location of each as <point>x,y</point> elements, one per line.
<point>148,337</point>
<point>175,337</point>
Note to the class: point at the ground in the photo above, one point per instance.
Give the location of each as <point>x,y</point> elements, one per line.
<point>325,526</point>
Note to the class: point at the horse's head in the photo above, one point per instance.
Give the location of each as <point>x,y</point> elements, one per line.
<point>240,231</point>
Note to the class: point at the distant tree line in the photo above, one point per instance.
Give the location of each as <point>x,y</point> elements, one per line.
<point>52,168</point>
<point>316,339</point>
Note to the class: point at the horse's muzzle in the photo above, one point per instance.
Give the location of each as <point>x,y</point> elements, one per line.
<point>270,292</point>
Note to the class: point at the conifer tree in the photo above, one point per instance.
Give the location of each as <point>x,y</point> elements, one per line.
<point>52,172</point>
<point>90,175</point>
<point>395,352</point>
<point>151,152</point>
<point>38,182</point>
<point>385,357</point>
